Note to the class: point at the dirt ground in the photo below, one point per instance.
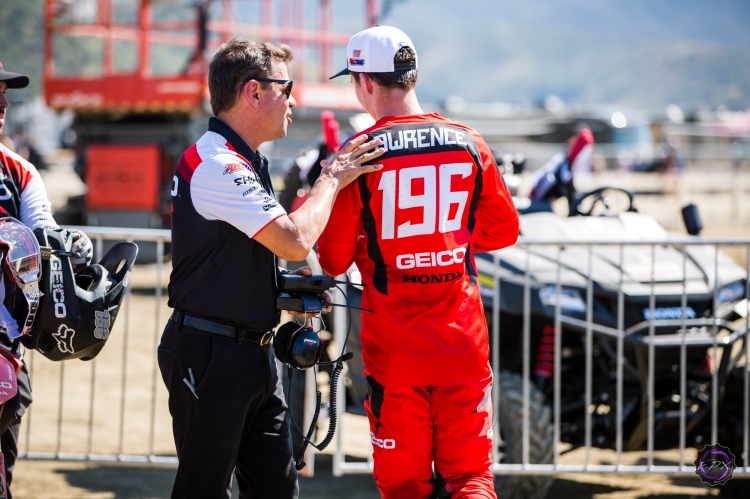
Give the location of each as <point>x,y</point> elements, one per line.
<point>116,405</point>
<point>65,480</point>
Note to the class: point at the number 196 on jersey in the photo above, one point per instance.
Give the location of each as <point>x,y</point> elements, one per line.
<point>435,200</point>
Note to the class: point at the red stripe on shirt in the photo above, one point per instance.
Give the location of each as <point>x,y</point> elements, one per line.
<point>17,170</point>
<point>189,162</point>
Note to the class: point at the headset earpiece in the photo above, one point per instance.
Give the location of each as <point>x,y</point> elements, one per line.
<point>297,346</point>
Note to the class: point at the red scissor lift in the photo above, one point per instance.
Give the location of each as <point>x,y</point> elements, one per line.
<point>135,74</point>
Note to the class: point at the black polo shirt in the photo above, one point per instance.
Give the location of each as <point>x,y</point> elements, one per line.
<point>221,198</point>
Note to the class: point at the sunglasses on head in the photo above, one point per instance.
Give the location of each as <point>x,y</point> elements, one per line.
<point>287,91</point>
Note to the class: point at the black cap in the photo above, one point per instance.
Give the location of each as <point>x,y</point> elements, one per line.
<point>13,80</point>
<point>343,72</point>
<point>399,68</point>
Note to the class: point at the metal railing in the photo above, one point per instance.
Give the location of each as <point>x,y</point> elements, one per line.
<point>90,434</point>
<point>118,412</point>
<point>709,337</point>
<point>87,426</point>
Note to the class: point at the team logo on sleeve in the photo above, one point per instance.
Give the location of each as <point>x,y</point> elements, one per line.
<point>244,180</point>
<point>235,167</point>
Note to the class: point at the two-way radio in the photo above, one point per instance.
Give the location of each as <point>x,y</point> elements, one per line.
<point>299,347</point>
<point>298,293</point>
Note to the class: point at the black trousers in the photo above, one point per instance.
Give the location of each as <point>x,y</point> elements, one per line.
<point>237,420</point>
<point>10,423</point>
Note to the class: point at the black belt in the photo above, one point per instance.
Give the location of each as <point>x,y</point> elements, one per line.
<point>223,329</point>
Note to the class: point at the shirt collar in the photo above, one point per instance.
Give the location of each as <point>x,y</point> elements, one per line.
<point>239,145</point>
<point>258,162</point>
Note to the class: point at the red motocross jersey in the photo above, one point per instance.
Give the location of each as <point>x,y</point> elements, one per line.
<point>412,228</point>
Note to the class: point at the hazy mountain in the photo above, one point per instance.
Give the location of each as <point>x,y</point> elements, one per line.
<point>642,53</point>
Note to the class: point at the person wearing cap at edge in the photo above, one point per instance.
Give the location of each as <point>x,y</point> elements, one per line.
<point>412,228</point>
<point>23,197</point>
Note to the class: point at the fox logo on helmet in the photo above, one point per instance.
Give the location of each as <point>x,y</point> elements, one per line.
<point>64,337</point>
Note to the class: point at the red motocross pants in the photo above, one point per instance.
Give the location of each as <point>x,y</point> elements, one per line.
<point>412,427</point>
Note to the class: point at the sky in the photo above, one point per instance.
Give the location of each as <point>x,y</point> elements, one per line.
<point>643,53</point>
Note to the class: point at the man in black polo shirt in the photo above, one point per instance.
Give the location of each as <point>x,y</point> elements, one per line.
<point>225,397</point>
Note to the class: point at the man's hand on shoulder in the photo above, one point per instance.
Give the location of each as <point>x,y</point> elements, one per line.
<point>348,163</point>
<point>292,237</point>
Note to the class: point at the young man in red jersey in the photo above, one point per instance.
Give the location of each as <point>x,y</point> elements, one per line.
<point>412,228</point>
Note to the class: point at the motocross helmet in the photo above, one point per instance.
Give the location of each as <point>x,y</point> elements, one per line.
<point>19,251</point>
<point>77,311</point>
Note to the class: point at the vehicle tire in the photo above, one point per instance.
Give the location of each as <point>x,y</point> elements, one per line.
<point>541,441</point>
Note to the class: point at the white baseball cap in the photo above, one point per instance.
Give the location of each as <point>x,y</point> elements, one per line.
<point>373,50</point>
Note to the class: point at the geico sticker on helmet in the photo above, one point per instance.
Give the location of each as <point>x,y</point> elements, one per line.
<point>58,288</point>
<point>64,337</point>
<point>102,323</point>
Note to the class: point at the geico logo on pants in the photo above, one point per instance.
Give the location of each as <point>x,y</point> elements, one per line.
<point>433,259</point>
<point>58,293</point>
<point>383,443</point>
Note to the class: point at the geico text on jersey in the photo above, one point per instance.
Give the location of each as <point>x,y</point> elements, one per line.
<point>431,259</point>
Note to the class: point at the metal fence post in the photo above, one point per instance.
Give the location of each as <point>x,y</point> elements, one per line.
<point>589,352</point>
<point>120,447</point>
<point>58,450</point>
<point>620,356</point>
<point>339,329</point>
<point>651,353</point>
<point>495,355</point>
<point>157,330</point>
<point>526,359</point>
<point>683,358</point>
<point>558,361</point>
<point>746,416</point>
<point>715,367</point>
